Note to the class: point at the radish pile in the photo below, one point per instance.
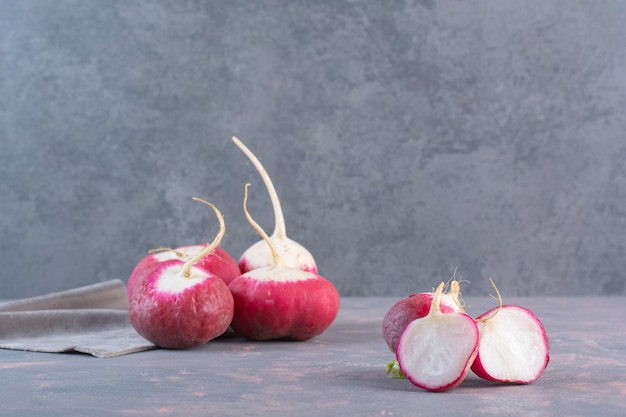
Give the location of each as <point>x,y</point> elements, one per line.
<point>183,297</point>
<point>436,343</point>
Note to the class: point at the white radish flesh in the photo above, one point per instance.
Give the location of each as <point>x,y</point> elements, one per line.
<point>513,346</point>
<point>413,307</point>
<point>435,352</point>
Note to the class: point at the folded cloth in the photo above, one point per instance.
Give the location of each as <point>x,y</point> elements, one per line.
<point>91,319</point>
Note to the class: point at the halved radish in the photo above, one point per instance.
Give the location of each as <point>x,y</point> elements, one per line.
<point>513,345</point>
<point>413,307</point>
<point>435,352</point>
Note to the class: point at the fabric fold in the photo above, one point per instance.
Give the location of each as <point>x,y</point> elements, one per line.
<point>92,319</point>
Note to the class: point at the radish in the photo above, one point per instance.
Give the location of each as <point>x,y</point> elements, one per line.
<point>177,304</point>
<point>413,307</point>
<point>291,253</point>
<point>279,301</point>
<point>435,352</point>
<point>513,345</point>
<point>218,261</point>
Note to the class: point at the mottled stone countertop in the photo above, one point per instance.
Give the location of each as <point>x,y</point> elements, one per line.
<point>339,373</point>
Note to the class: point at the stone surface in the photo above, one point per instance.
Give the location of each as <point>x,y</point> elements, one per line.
<point>339,373</point>
<point>406,139</point>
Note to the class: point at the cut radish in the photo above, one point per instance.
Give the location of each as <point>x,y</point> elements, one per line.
<point>291,253</point>
<point>435,352</point>
<point>513,345</point>
<point>413,307</point>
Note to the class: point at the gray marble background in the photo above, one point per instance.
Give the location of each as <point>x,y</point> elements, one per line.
<point>405,138</point>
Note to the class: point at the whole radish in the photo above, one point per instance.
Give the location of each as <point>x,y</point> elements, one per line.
<point>176,304</point>
<point>291,253</point>
<point>513,345</point>
<point>218,262</point>
<point>413,307</point>
<point>435,352</point>
<point>279,301</point>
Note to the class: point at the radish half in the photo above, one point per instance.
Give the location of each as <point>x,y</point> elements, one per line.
<point>279,301</point>
<point>291,253</point>
<point>413,307</point>
<point>513,345</point>
<point>435,352</point>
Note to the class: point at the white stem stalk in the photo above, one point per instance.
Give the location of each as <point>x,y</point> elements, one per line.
<point>216,242</point>
<point>279,220</point>
<point>259,229</point>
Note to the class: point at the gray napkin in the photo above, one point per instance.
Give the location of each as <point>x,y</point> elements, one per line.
<point>91,319</point>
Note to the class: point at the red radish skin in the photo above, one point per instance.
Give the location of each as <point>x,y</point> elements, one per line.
<point>219,262</point>
<point>281,302</point>
<point>177,312</point>
<point>413,307</point>
<point>435,352</point>
<point>291,253</point>
<point>146,263</point>
<point>176,304</point>
<point>513,346</point>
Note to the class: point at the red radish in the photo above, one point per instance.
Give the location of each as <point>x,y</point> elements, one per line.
<point>218,262</point>
<point>435,352</point>
<point>279,301</point>
<point>291,253</point>
<point>413,307</point>
<point>176,304</point>
<point>513,345</point>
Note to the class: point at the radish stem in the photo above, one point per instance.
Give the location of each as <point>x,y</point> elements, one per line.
<point>489,317</point>
<point>163,248</point>
<point>216,242</point>
<point>455,292</point>
<point>435,306</point>
<point>258,228</point>
<point>279,220</point>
